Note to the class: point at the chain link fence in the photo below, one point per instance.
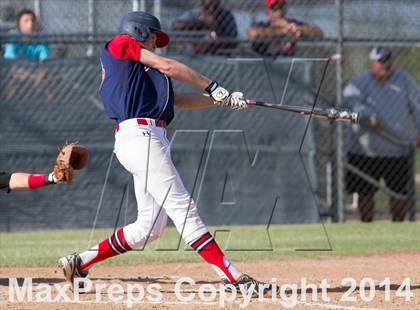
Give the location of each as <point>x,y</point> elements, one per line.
<point>302,175</point>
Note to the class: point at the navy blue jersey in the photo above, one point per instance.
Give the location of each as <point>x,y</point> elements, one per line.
<point>129,89</point>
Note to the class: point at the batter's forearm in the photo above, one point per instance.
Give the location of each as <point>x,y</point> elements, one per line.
<point>174,69</point>
<point>183,73</point>
<point>193,101</point>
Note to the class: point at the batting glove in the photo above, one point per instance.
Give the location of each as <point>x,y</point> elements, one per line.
<point>219,94</point>
<point>237,101</point>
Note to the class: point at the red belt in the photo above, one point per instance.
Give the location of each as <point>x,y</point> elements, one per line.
<point>146,122</point>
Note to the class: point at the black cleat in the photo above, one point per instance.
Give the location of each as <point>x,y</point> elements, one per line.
<point>70,265</point>
<point>248,283</point>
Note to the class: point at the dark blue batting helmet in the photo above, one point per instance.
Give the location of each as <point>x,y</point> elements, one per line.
<point>139,25</point>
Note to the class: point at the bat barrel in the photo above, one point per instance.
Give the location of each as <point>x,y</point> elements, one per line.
<point>331,113</point>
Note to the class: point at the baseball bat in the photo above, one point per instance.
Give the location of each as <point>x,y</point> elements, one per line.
<point>325,113</point>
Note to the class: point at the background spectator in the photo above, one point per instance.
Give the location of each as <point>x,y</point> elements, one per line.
<point>213,19</point>
<point>388,101</point>
<point>280,26</point>
<point>26,24</point>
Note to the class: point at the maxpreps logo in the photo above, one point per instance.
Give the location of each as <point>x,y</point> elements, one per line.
<point>130,294</point>
<point>187,292</point>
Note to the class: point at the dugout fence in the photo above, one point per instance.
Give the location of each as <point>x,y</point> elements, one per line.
<point>43,104</point>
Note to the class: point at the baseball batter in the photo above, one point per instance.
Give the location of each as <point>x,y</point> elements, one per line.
<point>137,93</point>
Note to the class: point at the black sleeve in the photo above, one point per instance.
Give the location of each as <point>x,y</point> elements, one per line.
<point>5,180</point>
<point>226,25</point>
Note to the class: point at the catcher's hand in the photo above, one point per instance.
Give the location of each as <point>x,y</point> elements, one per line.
<point>72,156</point>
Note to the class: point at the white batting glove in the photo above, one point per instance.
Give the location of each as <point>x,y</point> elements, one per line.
<point>219,94</point>
<point>236,101</point>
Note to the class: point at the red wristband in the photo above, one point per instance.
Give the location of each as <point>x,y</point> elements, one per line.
<point>37,180</point>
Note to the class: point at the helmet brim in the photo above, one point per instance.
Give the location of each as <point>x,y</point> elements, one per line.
<point>162,38</point>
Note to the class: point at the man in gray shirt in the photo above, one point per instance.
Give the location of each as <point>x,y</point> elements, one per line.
<point>388,101</point>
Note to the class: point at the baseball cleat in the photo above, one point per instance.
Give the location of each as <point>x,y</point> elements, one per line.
<point>247,283</point>
<point>70,265</point>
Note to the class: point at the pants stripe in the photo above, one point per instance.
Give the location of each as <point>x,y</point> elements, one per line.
<point>113,248</point>
<point>117,239</point>
<point>200,240</point>
<point>203,245</point>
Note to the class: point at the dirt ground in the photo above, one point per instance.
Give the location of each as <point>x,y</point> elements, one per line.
<point>164,277</point>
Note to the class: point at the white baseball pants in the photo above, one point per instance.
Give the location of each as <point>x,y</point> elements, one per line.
<point>144,151</point>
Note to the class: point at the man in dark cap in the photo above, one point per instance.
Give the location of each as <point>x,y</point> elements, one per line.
<point>278,27</point>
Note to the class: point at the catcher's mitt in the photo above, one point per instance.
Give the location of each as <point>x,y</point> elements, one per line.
<point>72,156</point>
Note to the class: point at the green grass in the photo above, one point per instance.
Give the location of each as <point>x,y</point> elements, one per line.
<point>243,243</point>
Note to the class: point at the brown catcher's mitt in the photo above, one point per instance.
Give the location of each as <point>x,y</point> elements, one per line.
<point>72,156</point>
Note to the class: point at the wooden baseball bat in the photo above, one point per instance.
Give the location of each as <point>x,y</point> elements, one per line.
<point>327,113</point>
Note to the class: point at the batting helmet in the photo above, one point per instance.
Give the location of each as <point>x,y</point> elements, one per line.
<point>380,53</point>
<point>139,25</point>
